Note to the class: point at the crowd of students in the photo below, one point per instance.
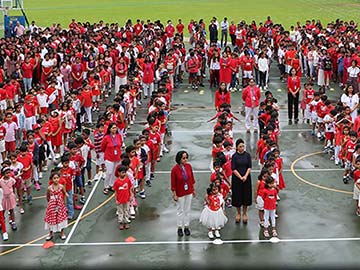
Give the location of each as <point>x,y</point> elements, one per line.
<point>53,79</point>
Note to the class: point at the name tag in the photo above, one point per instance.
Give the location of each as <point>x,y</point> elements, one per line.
<point>186,187</point>
<point>115,152</point>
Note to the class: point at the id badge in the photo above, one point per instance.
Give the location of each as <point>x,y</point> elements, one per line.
<point>254,98</point>
<point>115,152</point>
<point>186,187</point>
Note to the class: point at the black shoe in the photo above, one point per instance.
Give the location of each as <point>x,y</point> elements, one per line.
<point>296,121</point>
<point>152,176</point>
<point>180,232</point>
<point>148,183</point>
<point>187,231</point>
<point>89,183</point>
<point>290,122</point>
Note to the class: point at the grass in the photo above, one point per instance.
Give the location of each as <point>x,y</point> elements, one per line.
<point>46,12</point>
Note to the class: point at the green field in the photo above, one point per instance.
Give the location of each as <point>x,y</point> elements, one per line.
<point>46,12</point>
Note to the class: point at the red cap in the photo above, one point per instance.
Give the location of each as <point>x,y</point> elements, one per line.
<point>35,126</point>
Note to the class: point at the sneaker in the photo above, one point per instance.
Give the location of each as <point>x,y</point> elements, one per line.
<point>217,234</point>
<point>89,183</point>
<point>345,180</point>
<point>13,226</point>
<point>358,213</point>
<point>152,176</point>
<point>313,133</point>
<point>142,194</point>
<point>180,232</point>
<point>187,231</point>
<point>166,150</point>
<point>37,186</point>
<point>22,211</point>
<point>82,199</point>
<point>30,199</point>
<point>211,234</point>
<point>5,236</point>
<point>40,175</point>
<point>45,168</point>
<point>96,177</point>
<point>132,211</point>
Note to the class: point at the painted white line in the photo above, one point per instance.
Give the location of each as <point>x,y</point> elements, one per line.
<point>211,131</point>
<point>257,170</point>
<point>200,121</point>
<point>81,213</point>
<point>234,241</point>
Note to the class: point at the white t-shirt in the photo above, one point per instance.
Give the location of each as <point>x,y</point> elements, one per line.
<point>10,131</point>
<point>353,71</point>
<point>329,126</point>
<point>350,101</point>
<point>43,100</point>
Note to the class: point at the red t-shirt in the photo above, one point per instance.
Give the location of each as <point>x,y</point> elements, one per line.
<point>350,148</point>
<point>68,174</point>
<point>10,91</point>
<point>214,202</point>
<point>112,147</point>
<point>26,161</point>
<point>122,188</point>
<point>27,70</point>
<point>269,197</point>
<point>87,97</point>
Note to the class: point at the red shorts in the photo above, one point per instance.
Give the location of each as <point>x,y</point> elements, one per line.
<point>329,135</point>
<point>10,146</point>
<point>44,110</point>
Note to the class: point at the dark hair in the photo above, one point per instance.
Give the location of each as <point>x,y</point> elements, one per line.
<point>110,126</point>
<point>125,162</point>
<point>79,140</point>
<point>129,148</point>
<point>121,168</point>
<point>238,141</point>
<point>268,181</point>
<point>179,156</point>
<point>86,131</point>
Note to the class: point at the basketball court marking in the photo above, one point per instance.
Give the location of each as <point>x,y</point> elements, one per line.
<point>310,183</point>
<point>81,213</point>
<point>237,131</point>
<point>194,242</point>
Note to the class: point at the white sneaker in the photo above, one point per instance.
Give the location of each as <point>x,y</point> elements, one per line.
<point>161,154</point>
<point>5,236</point>
<point>96,177</point>
<point>217,234</point>
<point>131,122</point>
<point>45,168</point>
<point>166,150</point>
<point>132,211</point>
<point>40,175</point>
<point>117,213</point>
<point>211,234</point>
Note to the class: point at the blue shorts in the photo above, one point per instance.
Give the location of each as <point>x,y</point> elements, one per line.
<point>79,181</point>
<point>88,164</point>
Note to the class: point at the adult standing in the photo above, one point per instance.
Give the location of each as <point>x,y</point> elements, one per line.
<point>241,180</point>
<point>251,97</point>
<point>225,71</point>
<point>111,147</point>
<point>121,70</point>
<point>263,66</point>
<point>224,31</point>
<point>182,187</point>
<point>213,32</point>
<point>232,31</point>
<point>293,87</point>
<point>352,100</point>
<point>353,73</point>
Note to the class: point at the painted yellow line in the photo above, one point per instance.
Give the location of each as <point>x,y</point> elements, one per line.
<point>310,183</point>
<point>70,224</point>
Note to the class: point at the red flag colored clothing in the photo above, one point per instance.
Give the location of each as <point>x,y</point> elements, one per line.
<point>122,188</point>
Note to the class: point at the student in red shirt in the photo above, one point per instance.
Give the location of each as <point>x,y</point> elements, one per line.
<point>180,28</point>
<point>222,95</point>
<point>87,102</point>
<point>68,174</point>
<point>182,187</point>
<point>269,195</point>
<point>123,192</point>
<point>26,159</point>
<point>27,69</point>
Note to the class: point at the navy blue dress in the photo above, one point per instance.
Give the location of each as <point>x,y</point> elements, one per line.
<point>241,191</point>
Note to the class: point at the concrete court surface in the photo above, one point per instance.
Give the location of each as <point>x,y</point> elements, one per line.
<point>317,227</point>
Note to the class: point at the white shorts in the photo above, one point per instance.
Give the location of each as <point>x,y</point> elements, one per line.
<point>247,74</point>
<point>3,104</point>
<point>314,117</point>
<point>356,193</point>
<point>308,113</point>
<point>100,160</point>
<point>259,203</point>
<point>320,120</point>
<point>95,98</point>
<point>2,146</point>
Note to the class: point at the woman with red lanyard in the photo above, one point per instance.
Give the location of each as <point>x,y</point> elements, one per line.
<point>182,187</point>
<point>251,96</point>
<point>225,71</point>
<point>111,146</point>
<point>293,86</point>
<point>148,68</point>
<point>222,95</point>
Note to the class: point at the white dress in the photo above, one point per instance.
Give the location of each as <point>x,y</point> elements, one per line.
<point>213,216</point>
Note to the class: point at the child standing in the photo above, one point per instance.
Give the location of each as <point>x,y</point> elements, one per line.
<point>100,163</point>
<point>2,219</point>
<point>213,216</point>
<point>9,199</point>
<point>269,196</point>
<point>26,159</point>
<point>123,192</point>
<point>56,216</point>
<point>259,188</point>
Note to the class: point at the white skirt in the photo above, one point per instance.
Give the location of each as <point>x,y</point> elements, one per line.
<point>213,219</point>
<point>56,227</point>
